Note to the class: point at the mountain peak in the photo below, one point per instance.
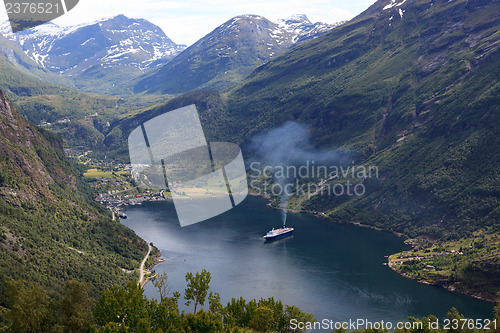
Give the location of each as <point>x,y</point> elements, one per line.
<point>106,18</point>
<point>97,48</point>
<point>119,16</point>
<point>247,18</point>
<point>250,16</point>
<point>234,49</point>
<point>303,28</point>
<point>299,18</point>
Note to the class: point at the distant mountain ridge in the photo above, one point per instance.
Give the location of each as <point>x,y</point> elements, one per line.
<point>46,97</point>
<point>88,55</point>
<point>411,87</point>
<point>407,93</point>
<point>94,51</point>
<point>229,53</point>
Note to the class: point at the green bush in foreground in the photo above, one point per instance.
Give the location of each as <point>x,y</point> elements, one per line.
<point>126,309</point>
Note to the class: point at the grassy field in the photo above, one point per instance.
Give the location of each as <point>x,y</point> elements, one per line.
<point>94,173</point>
<point>467,265</point>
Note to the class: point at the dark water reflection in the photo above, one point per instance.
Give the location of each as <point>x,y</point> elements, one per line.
<point>333,271</point>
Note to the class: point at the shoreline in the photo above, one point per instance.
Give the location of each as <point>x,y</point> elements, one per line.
<point>149,278</point>
<point>159,259</point>
<point>323,216</point>
<point>142,272</point>
<point>449,288</point>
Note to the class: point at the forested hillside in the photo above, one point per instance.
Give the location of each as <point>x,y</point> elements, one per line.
<point>51,231</point>
<point>410,87</point>
<point>415,94</point>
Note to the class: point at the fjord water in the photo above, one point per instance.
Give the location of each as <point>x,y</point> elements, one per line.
<point>334,271</point>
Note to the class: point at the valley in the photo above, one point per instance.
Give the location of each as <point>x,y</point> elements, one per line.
<point>410,88</point>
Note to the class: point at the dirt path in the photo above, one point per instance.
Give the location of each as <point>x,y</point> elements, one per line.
<point>141,269</point>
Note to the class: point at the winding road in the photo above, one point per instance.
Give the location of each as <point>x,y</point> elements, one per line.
<point>141,269</point>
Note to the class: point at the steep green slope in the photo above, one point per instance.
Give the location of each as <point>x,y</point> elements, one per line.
<point>211,107</point>
<point>418,97</point>
<point>51,231</point>
<point>409,87</point>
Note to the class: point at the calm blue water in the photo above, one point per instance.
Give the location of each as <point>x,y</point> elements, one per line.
<point>332,270</point>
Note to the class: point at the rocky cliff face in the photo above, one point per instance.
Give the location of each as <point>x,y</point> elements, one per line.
<point>31,163</point>
<point>50,230</point>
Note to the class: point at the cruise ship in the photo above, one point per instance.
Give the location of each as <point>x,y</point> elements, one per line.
<point>278,233</point>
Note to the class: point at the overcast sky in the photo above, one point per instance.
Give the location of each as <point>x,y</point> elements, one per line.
<point>186,21</point>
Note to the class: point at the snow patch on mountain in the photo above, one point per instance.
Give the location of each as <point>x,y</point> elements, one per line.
<point>394,4</point>
<point>303,29</point>
<point>112,41</point>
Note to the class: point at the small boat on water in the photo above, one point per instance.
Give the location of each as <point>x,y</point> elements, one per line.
<point>122,215</point>
<point>278,233</point>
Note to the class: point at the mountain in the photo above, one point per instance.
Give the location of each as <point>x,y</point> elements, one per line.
<point>12,53</point>
<point>302,29</point>
<point>44,98</point>
<point>100,53</point>
<point>409,86</point>
<point>81,118</point>
<point>51,230</point>
<point>105,56</point>
<point>229,53</point>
